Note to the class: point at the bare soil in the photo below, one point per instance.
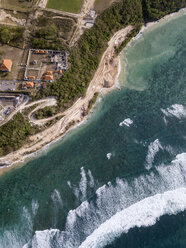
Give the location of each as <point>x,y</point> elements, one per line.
<point>15,54</point>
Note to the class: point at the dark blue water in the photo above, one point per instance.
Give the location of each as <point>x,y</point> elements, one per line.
<point>169,231</point>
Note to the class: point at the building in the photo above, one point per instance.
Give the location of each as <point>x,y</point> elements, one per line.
<point>6,65</point>
<point>31,77</point>
<point>49,78</point>
<point>49,73</point>
<point>92,14</point>
<point>28,85</point>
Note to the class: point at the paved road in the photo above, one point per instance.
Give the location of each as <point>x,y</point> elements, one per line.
<point>20,107</point>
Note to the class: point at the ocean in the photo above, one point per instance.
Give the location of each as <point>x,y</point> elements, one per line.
<point>119,179</point>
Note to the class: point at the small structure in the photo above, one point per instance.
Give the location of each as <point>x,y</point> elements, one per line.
<point>28,85</point>
<point>60,71</point>
<point>6,65</point>
<point>92,14</point>
<point>49,73</point>
<point>34,62</point>
<point>49,78</point>
<point>31,77</point>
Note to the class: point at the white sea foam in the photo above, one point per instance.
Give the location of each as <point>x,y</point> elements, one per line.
<point>80,190</point>
<point>127,122</point>
<point>69,184</point>
<point>109,155</point>
<point>143,213</point>
<point>56,197</point>
<point>153,148</point>
<point>46,239</point>
<point>83,184</point>
<point>176,110</point>
<point>91,181</point>
<point>142,201</point>
<point>35,206</point>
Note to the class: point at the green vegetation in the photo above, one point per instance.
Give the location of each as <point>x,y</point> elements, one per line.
<point>90,104</point>
<point>14,134</point>
<point>45,112</point>
<point>72,6</point>
<point>51,33</point>
<point>84,59</point>
<point>47,39</point>
<point>12,36</point>
<point>155,9</point>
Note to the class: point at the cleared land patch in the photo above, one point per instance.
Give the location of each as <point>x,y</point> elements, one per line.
<point>72,6</point>
<point>17,4</point>
<point>101,5</point>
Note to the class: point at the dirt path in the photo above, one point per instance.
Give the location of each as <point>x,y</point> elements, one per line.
<point>106,70</point>
<point>51,101</point>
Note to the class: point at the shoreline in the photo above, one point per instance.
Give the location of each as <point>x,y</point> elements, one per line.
<point>73,116</point>
<point>103,82</point>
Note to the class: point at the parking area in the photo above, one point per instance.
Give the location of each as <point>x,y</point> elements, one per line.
<point>7,85</point>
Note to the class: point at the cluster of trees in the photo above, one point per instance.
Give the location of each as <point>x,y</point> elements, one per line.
<point>47,38</point>
<point>51,32</point>
<point>12,36</point>
<point>45,112</point>
<point>14,134</point>
<point>155,9</point>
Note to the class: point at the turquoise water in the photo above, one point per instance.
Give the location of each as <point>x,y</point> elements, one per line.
<point>120,175</point>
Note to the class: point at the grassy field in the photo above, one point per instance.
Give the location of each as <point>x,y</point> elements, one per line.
<point>72,6</point>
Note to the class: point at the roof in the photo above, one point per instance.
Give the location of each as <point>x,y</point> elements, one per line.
<point>49,73</point>
<point>36,51</point>
<point>29,84</point>
<point>61,71</point>
<point>32,77</point>
<point>6,65</point>
<point>48,77</point>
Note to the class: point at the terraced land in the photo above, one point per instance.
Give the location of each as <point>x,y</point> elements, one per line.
<point>72,6</point>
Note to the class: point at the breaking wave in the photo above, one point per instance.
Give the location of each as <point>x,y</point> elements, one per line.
<point>143,213</point>
<point>119,206</point>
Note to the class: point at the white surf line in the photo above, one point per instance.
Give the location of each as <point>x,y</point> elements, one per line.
<point>82,222</point>
<point>144,213</point>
